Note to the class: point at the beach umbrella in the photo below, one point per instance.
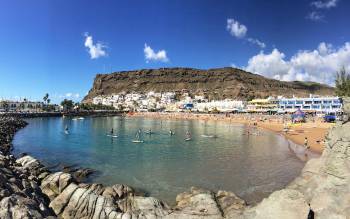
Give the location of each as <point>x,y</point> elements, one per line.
<point>298,116</point>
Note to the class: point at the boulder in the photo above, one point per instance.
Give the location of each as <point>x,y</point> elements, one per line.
<point>286,203</point>
<point>231,205</point>
<point>197,203</point>
<point>144,207</point>
<point>55,183</point>
<point>76,202</point>
<point>16,206</point>
<point>32,165</point>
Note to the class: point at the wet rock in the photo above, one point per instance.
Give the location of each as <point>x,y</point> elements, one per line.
<point>81,174</point>
<point>231,205</point>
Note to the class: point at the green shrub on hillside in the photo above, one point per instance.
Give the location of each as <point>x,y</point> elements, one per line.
<point>342,83</point>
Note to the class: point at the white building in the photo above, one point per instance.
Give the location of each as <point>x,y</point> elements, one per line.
<point>311,104</point>
<point>20,106</point>
<point>226,105</point>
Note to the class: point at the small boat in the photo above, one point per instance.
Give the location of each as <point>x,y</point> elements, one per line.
<point>188,139</point>
<point>137,141</point>
<point>81,118</point>
<point>112,136</point>
<point>74,119</point>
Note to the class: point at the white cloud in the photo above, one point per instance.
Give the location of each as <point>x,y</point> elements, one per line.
<point>236,29</point>
<point>319,5</point>
<point>240,31</point>
<point>150,55</point>
<point>324,4</point>
<point>95,50</point>
<point>256,42</point>
<point>318,65</point>
<point>315,16</point>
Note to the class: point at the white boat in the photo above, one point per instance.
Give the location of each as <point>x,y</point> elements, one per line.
<point>81,118</point>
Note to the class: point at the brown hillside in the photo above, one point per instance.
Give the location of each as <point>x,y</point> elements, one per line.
<point>217,83</point>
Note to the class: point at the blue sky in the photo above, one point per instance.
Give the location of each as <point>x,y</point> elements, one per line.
<point>59,46</point>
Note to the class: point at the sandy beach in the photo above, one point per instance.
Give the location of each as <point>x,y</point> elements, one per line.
<point>314,128</point>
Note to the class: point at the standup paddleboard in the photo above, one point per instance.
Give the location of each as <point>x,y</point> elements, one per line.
<point>209,136</point>
<point>137,141</point>
<point>113,136</point>
<point>188,139</point>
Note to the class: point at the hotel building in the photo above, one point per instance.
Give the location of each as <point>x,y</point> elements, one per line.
<point>311,104</point>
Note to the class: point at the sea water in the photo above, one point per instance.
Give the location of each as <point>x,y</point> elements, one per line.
<point>250,165</point>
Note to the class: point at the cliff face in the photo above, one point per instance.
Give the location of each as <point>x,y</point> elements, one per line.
<point>217,83</point>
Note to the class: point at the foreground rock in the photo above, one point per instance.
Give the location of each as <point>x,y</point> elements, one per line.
<point>325,182</point>
<point>20,195</point>
<point>287,204</point>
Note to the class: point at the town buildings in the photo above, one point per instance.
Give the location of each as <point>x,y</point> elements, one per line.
<point>23,106</point>
<point>173,102</point>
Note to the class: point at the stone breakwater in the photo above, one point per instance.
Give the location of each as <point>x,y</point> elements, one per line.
<point>29,190</point>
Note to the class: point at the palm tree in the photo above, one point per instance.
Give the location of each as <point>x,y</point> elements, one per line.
<point>6,106</point>
<point>46,97</point>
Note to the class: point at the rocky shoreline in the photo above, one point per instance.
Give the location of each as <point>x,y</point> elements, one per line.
<point>30,190</point>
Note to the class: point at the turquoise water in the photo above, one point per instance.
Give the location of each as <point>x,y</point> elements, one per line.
<point>252,166</point>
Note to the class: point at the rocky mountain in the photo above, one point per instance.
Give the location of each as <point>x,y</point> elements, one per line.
<point>219,83</point>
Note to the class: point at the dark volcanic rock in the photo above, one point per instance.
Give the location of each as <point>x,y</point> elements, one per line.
<point>217,83</point>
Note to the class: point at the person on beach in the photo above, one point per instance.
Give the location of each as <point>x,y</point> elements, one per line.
<point>285,128</point>
<point>306,143</point>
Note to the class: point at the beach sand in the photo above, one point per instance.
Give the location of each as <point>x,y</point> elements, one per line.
<point>314,129</point>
